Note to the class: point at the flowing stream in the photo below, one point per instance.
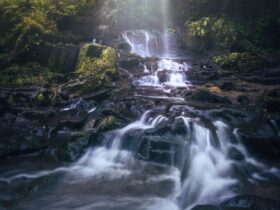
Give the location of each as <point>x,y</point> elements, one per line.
<point>169,159</point>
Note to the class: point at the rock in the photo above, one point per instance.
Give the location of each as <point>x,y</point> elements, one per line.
<point>68,145</point>
<point>235,154</point>
<point>61,58</point>
<point>99,95</point>
<point>130,63</point>
<point>204,95</point>
<point>179,127</point>
<point>248,202</point>
<point>107,123</point>
<point>265,148</point>
<point>124,46</point>
<point>227,86</point>
<point>20,136</point>
<point>243,99</point>
<point>274,93</point>
<point>206,207</point>
<point>271,104</point>
<point>39,115</point>
<point>45,97</point>
<point>97,67</point>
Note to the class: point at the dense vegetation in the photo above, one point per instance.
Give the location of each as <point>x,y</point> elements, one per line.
<point>32,30</point>
<point>238,25</point>
<point>26,25</point>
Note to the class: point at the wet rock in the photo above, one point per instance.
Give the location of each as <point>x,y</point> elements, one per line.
<point>242,171</point>
<point>247,202</point>
<point>265,148</point>
<point>39,115</point>
<point>204,95</point>
<point>179,127</point>
<point>271,104</point>
<point>227,86</point>
<point>99,95</point>
<point>68,145</point>
<point>275,93</point>
<point>124,46</point>
<point>206,207</point>
<point>20,137</point>
<point>235,154</point>
<point>243,99</point>
<point>130,63</point>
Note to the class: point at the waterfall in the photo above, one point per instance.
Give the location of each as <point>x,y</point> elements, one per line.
<point>173,157</point>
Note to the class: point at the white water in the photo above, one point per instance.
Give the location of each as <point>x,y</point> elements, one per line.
<point>208,178</point>
<point>146,44</point>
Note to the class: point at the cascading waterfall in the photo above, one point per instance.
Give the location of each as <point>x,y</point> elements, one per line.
<point>170,73</point>
<point>124,172</point>
<point>200,171</point>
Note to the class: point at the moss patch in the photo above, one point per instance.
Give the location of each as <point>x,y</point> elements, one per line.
<point>98,64</point>
<point>96,59</point>
<point>107,123</point>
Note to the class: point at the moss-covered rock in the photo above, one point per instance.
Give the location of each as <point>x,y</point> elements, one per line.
<point>98,61</point>
<point>240,62</point>
<point>107,123</point>
<point>95,69</point>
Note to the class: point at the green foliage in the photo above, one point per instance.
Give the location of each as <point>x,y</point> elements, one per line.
<point>24,23</point>
<point>238,25</point>
<point>220,30</point>
<point>30,74</point>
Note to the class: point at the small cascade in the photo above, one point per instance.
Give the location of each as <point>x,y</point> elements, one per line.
<point>170,73</point>
<point>208,169</point>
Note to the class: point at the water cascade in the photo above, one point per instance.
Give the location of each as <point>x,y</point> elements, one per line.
<point>172,158</point>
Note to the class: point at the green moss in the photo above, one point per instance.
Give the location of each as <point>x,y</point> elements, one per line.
<point>240,62</point>
<point>46,97</point>
<point>98,62</point>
